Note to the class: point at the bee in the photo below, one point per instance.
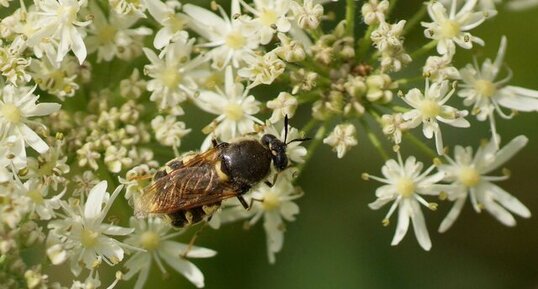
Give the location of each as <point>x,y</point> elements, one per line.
<point>191,188</point>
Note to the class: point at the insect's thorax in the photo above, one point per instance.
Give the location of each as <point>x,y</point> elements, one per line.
<point>246,161</point>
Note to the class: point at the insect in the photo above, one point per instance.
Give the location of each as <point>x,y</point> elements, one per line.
<point>191,188</point>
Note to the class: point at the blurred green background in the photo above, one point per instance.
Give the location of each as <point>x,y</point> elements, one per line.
<point>338,242</point>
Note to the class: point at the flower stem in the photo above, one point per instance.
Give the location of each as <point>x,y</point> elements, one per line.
<point>415,19</point>
<point>364,44</point>
<point>318,138</point>
<point>350,17</point>
<point>309,125</point>
<point>421,51</point>
<point>374,140</point>
<point>423,147</point>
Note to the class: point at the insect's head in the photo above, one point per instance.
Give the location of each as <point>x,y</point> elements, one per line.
<point>278,147</point>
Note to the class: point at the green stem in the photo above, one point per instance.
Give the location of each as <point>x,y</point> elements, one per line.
<point>415,19</point>
<point>421,51</point>
<point>309,125</point>
<point>350,17</point>
<point>318,138</point>
<point>391,7</point>
<point>374,140</point>
<point>422,146</point>
<point>364,43</point>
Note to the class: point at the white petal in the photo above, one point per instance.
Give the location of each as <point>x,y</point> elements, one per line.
<point>176,249</point>
<point>419,226</point>
<point>33,140</point>
<point>507,152</point>
<point>186,268</point>
<point>452,215</point>
<point>44,109</point>
<point>508,201</point>
<point>499,212</point>
<point>517,98</point>
<point>117,230</point>
<point>77,45</point>
<point>403,222</point>
<point>93,205</point>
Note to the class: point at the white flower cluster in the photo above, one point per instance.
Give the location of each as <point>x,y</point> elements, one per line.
<point>94,93</point>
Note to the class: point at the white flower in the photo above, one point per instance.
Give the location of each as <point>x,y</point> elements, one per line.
<point>276,205</point>
<point>405,183</point>
<point>133,86</point>
<point>172,78</point>
<point>270,17</point>
<point>16,107</point>
<point>308,15</point>
<point>439,68</point>
<point>486,94</point>
<point>342,138</point>
<point>116,158</point>
<point>128,7</point>
<point>452,29</point>
<point>169,132</point>
<point>155,238</point>
<point>84,235</point>
<point>429,108</point>
<point>230,40</point>
<point>57,79</point>
<point>262,69</point>
<point>57,19</point>
<point>36,192</point>
<point>12,64</point>
<point>113,36</point>
<point>393,125</point>
<point>290,50</point>
<point>12,156</point>
<point>468,176</point>
<point>173,23</point>
<point>234,107</point>
<point>387,38</point>
<point>374,11</point>
<point>283,105</point>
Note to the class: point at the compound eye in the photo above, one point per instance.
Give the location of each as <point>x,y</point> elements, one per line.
<point>267,139</point>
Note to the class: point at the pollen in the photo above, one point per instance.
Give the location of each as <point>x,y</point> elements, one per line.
<point>271,201</point>
<point>36,197</point>
<point>107,34</point>
<point>469,176</point>
<point>149,240</point>
<point>234,111</point>
<point>450,29</point>
<point>171,77</point>
<point>235,40</point>
<point>430,108</point>
<point>486,88</point>
<point>11,113</point>
<point>88,238</point>
<point>268,17</point>
<point>405,187</point>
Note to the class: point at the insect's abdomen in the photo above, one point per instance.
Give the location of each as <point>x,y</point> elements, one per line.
<point>246,162</point>
<point>188,217</point>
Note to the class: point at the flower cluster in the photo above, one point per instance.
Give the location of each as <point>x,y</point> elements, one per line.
<point>95,94</point>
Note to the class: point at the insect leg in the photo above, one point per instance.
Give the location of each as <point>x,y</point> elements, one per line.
<point>193,239</point>
<point>243,202</point>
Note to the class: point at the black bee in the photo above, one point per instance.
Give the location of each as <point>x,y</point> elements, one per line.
<point>192,187</point>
